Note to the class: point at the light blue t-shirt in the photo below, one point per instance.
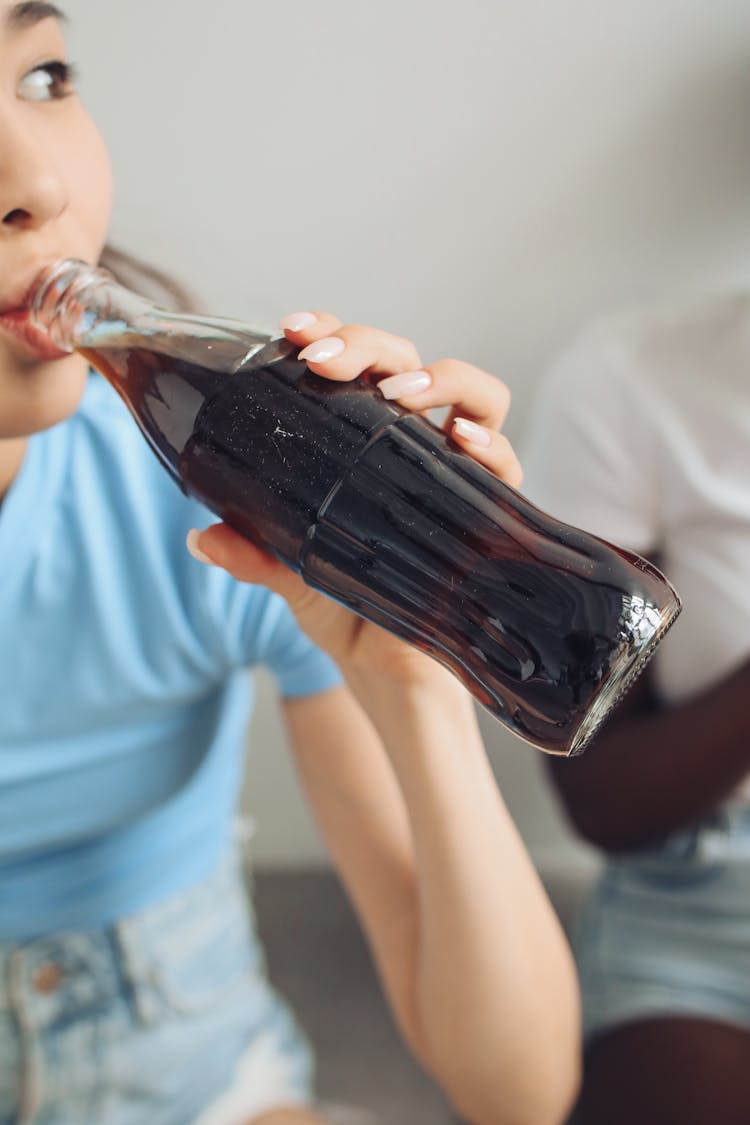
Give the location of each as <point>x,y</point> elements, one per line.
<point>124,699</point>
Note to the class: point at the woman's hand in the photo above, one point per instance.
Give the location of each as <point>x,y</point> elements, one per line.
<point>477,404</point>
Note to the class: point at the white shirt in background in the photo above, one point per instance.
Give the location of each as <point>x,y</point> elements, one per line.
<point>641,435</point>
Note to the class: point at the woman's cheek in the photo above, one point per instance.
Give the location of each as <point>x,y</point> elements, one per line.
<point>91,181</point>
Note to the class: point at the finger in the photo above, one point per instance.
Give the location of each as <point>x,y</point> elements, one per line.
<point>302,328</point>
<point>469,391</point>
<point>355,349</point>
<point>489,448</point>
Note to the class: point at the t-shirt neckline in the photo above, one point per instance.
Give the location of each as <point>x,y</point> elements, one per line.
<point>29,502</point>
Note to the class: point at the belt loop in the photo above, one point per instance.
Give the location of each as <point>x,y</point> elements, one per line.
<point>31,1096</point>
<point>137,972</point>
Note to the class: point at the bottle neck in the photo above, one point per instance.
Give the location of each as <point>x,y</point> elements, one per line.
<point>84,308</point>
<point>74,303</point>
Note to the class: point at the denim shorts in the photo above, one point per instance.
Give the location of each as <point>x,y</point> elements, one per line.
<point>666,931</point>
<point>166,1018</point>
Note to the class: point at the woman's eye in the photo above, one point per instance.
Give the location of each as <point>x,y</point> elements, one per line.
<point>48,82</point>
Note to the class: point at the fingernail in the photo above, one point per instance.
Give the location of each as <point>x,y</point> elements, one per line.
<point>295,322</point>
<point>327,348</point>
<point>191,543</point>
<point>472,432</point>
<point>405,383</point>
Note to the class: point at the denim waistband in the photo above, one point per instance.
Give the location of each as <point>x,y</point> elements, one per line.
<point>193,956</point>
<point>90,967</point>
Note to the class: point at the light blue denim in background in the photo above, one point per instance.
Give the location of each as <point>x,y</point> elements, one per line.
<point>666,930</point>
<point>144,1023</point>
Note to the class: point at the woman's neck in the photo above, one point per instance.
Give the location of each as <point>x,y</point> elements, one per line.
<point>12,452</point>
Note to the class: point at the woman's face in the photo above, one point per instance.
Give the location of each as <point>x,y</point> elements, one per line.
<point>55,200</point>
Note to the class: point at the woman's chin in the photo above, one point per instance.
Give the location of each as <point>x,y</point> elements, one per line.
<point>41,396</point>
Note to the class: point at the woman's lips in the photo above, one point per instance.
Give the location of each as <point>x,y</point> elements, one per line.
<point>17,323</point>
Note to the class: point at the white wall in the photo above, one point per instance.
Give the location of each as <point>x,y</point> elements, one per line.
<point>482,177</point>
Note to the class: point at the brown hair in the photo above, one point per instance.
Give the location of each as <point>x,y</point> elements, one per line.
<point>147,280</point>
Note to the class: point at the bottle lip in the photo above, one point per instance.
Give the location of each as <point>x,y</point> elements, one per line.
<point>58,278</point>
<point>56,301</point>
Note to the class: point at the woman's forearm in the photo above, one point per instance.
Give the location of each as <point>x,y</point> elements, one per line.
<point>651,772</point>
<point>494,988</point>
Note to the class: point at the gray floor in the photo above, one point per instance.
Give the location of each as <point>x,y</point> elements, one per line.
<point>317,958</point>
<point>319,961</point>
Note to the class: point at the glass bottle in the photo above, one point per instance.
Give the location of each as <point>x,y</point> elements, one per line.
<point>545,624</point>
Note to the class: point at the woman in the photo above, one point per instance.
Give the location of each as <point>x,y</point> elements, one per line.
<point>133,984</point>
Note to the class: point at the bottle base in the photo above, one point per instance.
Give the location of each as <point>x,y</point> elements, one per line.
<point>621,678</point>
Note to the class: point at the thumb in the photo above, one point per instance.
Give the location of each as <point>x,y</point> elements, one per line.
<point>225,547</point>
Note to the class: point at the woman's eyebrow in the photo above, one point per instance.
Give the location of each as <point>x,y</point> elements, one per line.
<point>31,12</point>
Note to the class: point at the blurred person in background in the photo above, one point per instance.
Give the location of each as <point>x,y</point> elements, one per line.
<point>641,434</point>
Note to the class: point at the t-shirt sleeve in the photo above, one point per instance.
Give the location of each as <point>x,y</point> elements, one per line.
<point>588,456</point>
<point>275,640</point>
<point>250,626</point>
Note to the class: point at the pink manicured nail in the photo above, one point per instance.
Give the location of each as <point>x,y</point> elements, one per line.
<point>472,432</point>
<point>192,545</point>
<point>327,348</point>
<point>404,384</point>
<point>295,322</point>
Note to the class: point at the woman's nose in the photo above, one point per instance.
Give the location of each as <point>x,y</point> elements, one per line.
<point>31,191</point>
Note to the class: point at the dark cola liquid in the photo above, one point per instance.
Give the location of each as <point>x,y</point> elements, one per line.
<point>545,624</point>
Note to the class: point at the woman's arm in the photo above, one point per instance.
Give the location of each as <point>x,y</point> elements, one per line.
<point>468,947</point>
<point>654,770</point>
<point>469,950</point>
